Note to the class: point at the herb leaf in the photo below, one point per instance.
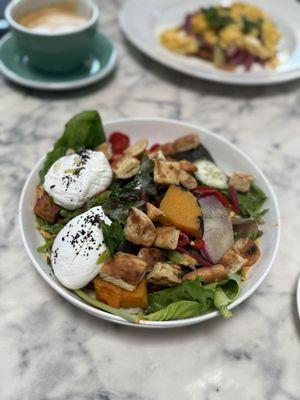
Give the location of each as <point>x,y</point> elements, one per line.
<point>84,130</point>
<point>113,235</point>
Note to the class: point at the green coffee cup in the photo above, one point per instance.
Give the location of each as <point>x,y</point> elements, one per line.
<point>54,51</point>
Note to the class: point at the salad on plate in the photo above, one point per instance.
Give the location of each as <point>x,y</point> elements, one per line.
<point>147,232</point>
<point>240,35</point>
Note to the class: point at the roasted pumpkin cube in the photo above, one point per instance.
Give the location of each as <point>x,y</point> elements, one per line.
<point>117,297</point>
<point>181,209</point>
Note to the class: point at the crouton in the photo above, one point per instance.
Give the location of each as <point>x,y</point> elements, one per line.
<point>117,297</point>
<point>139,229</point>
<point>187,180</point>
<point>215,273</point>
<point>153,212</point>
<point>188,166</point>
<point>247,249</point>
<point>126,167</point>
<point>167,172</point>
<point>105,148</point>
<point>44,206</point>
<point>164,274</point>
<point>187,142</point>
<point>232,261</point>
<point>136,149</point>
<point>124,270</point>
<point>241,181</point>
<point>167,237</point>
<point>151,255</point>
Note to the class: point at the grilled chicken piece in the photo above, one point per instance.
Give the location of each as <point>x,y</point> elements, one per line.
<point>187,142</point>
<point>167,237</point>
<point>232,261</point>
<point>139,229</point>
<point>248,249</point>
<point>215,273</point>
<point>153,212</point>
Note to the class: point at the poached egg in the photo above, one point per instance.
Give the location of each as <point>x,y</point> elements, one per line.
<point>77,247</point>
<point>75,178</point>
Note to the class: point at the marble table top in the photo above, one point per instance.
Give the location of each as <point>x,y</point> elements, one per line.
<point>50,350</point>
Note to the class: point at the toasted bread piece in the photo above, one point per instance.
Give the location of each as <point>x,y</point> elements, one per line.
<point>117,297</point>
<point>164,274</point>
<point>124,270</point>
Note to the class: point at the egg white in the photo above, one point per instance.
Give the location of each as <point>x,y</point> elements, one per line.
<point>77,247</point>
<point>75,178</point>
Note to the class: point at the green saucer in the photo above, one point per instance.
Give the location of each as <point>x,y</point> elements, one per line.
<point>15,66</point>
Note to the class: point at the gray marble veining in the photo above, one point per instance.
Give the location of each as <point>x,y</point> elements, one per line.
<point>50,350</point>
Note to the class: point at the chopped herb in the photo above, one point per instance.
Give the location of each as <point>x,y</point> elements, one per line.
<point>216,20</point>
<point>249,25</point>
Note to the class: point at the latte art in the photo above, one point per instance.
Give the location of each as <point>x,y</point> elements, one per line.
<point>54,19</point>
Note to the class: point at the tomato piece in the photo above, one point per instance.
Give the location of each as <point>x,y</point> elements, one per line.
<point>119,142</point>
<point>199,244</point>
<point>154,147</point>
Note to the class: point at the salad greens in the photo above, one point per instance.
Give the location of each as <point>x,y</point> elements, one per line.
<point>84,130</point>
<point>113,236</point>
<point>251,203</point>
<point>123,197</point>
<point>192,298</point>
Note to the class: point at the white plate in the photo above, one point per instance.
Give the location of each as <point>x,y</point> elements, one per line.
<point>229,157</point>
<point>142,20</point>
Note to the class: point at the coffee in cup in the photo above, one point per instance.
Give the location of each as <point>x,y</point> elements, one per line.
<point>57,18</point>
<point>57,36</point>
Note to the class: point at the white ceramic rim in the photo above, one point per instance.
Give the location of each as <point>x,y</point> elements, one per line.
<point>229,79</point>
<point>93,19</point>
<point>154,324</point>
<point>60,86</point>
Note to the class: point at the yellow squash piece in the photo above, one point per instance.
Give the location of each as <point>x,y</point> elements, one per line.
<point>117,297</point>
<point>181,210</point>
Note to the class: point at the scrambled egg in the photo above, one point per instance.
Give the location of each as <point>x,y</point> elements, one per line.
<point>241,25</point>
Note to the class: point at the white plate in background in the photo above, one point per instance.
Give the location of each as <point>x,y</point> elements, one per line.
<point>228,156</point>
<point>142,20</point>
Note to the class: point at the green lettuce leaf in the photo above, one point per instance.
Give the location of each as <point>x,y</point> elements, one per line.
<point>225,292</point>
<point>187,290</point>
<point>84,130</point>
<point>251,203</point>
<point>166,304</point>
<point>179,310</point>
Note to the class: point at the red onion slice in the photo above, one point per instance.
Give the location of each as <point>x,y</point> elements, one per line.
<point>218,231</point>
